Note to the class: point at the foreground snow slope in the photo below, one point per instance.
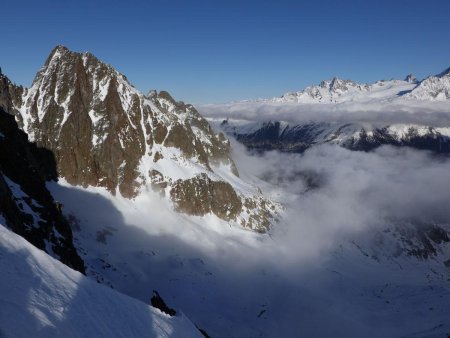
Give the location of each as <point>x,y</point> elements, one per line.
<point>41,297</point>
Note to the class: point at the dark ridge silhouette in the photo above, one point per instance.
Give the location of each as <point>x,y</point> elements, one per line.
<point>35,215</point>
<point>298,138</point>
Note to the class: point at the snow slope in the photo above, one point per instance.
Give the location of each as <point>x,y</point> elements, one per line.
<point>433,88</point>
<point>41,297</point>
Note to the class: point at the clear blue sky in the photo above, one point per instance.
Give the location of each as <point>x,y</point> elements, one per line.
<point>217,51</point>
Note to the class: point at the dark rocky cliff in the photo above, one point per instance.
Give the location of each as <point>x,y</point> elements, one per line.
<point>25,203</point>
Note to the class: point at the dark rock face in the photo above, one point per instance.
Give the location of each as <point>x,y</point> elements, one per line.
<point>411,78</point>
<point>275,136</point>
<point>158,182</point>
<point>25,203</point>
<point>200,195</point>
<point>75,110</point>
<point>10,94</point>
<point>422,241</point>
<point>157,302</point>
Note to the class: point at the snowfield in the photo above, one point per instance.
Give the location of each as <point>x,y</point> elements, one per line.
<point>41,297</point>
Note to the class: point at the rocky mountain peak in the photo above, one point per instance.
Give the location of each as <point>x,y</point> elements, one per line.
<point>10,94</point>
<point>433,88</point>
<point>104,132</point>
<point>338,84</point>
<point>411,78</point>
<point>326,92</point>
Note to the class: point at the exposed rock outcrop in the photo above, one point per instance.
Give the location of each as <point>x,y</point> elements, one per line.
<point>200,195</point>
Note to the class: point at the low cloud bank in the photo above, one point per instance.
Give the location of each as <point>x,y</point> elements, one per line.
<point>436,114</point>
<point>331,192</point>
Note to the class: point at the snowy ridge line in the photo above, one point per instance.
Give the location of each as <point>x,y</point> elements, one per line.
<point>336,90</point>
<point>42,297</point>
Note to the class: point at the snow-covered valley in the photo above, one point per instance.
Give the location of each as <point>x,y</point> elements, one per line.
<point>341,260</point>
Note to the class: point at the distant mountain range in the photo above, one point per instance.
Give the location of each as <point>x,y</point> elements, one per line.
<point>433,88</point>
<point>275,131</point>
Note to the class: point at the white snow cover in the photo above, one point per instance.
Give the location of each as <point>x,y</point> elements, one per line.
<point>338,91</point>
<point>433,88</point>
<point>41,297</point>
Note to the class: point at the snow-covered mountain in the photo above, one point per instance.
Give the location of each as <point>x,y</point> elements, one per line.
<point>434,88</point>
<point>41,297</point>
<point>104,132</point>
<point>338,90</point>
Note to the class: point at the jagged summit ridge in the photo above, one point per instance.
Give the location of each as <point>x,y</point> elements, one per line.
<point>104,132</point>
<point>337,91</point>
<point>326,91</point>
<point>411,78</point>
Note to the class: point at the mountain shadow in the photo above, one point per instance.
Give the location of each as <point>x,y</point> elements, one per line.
<point>27,206</point>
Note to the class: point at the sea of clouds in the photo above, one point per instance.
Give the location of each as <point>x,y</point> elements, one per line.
<point>435,114</point>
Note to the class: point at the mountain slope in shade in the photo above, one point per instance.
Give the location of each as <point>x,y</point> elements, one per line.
<point>40,297</point>
<point>296,138</point>
<point>104,132</point>
<point>26,205</point>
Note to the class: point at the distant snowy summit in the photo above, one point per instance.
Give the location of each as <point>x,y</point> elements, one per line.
<point>433,88</point>
<point>336,90</point>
